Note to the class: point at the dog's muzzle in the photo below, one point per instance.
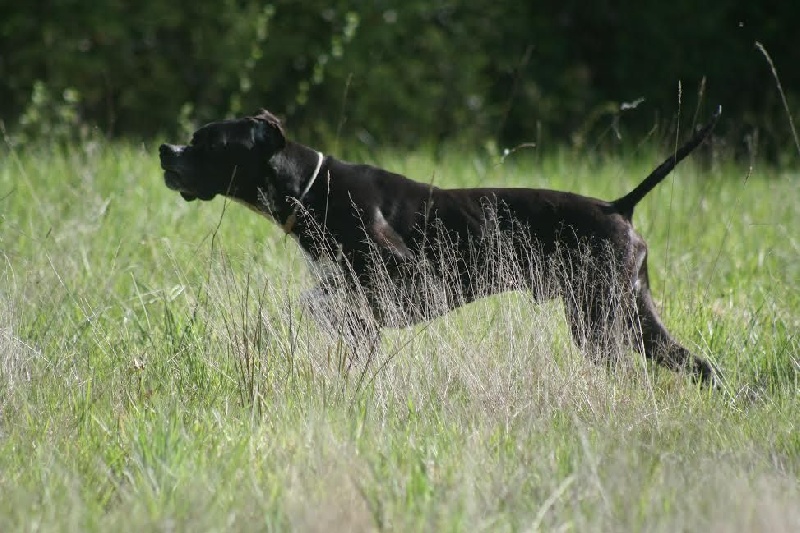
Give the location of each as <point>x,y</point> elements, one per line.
<point>170,156</point>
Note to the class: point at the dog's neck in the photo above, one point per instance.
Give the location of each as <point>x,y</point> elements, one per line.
<point>291,220</point>
<point>294,170</point>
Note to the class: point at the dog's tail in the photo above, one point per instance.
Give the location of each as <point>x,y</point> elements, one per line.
<point>624,206</point>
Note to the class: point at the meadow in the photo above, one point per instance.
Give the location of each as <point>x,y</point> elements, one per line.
<point>158,374</point>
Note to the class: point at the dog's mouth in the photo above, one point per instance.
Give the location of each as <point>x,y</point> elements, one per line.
<point>174,181</point>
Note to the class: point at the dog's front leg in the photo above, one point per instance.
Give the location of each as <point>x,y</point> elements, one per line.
<point>344,316</point>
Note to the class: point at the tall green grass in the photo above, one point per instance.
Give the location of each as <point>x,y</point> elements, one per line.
<point>158,373</point>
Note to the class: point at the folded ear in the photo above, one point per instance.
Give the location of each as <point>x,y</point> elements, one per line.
<point>268,131</point>
<point>384,235</point>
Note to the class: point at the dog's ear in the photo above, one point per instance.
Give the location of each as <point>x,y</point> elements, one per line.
<point>268,131</point>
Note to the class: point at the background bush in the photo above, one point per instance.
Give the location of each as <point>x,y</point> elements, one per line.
<point>406,72</point>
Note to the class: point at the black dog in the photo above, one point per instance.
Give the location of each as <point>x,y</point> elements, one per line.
<point>376,223</point>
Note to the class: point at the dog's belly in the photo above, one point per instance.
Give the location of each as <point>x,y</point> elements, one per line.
<point>421,292</point>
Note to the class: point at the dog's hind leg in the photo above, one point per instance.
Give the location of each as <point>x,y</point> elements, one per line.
<point>656,341</point>
<point>595,301</point>
<point>595,316</point>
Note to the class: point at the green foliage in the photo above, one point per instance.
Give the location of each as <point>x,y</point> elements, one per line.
<point>50,117</point>
<point>405,73</point>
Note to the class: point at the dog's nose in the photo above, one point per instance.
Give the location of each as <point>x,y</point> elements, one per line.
<point>169,149</point>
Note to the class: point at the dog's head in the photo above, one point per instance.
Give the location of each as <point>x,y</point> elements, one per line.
<point>223,156</point>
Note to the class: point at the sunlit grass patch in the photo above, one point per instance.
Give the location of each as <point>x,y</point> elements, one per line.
<point>157,369</point>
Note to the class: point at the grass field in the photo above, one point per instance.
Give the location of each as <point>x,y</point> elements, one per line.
<point>156,372</point>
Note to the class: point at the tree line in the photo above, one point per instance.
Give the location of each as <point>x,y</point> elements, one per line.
<point>403,73</point>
